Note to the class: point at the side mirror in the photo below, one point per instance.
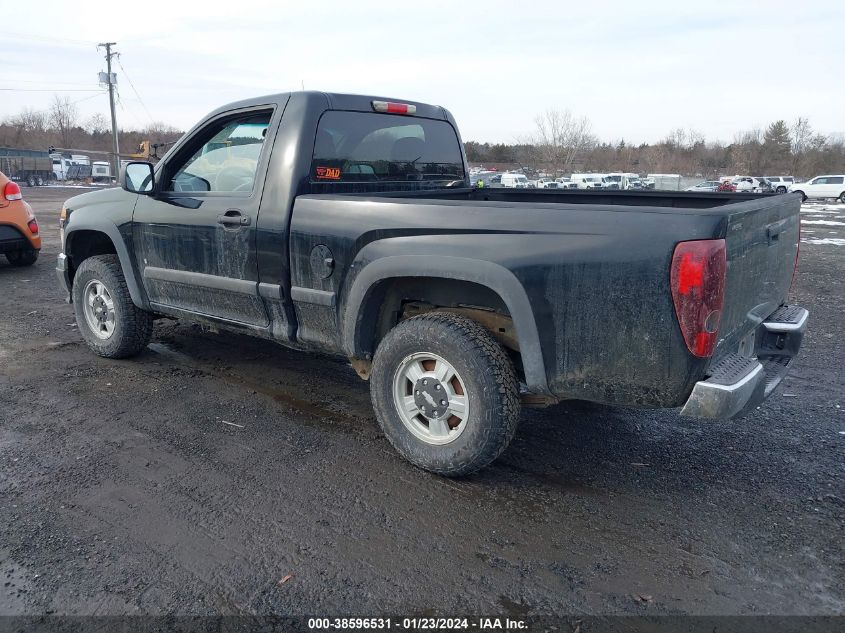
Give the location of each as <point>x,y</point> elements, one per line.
<point>138,177</point>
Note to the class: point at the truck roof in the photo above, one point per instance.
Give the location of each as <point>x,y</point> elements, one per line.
<point>335,101</point>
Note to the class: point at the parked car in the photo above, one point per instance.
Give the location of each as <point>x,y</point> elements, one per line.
<point>452,301</point>
<point>763,185</point>
<point>745,184</point>
<point>821,187</point>
<point>566,183</point>
<point>588,181</point>
<point>20,241</point>
<point>514,181</point>
<point>780,184</point>
<point>706,185</point>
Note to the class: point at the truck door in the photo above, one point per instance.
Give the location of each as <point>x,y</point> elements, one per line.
<point>197,234</point>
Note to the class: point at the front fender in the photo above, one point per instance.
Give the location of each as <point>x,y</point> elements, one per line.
<point>494,276</point>
<point>136,290</point>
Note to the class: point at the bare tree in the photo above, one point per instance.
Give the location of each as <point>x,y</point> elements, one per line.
<point>30,120</point>
<point>96,124</point>
<point>559,138</point>
<point>64,116</point>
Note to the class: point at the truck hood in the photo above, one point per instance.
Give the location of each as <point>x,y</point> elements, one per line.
<point>101,196</point>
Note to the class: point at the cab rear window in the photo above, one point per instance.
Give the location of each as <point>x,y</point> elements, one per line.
<point>362,151</point>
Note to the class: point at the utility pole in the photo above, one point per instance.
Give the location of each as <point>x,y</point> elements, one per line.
<point>111,81</point>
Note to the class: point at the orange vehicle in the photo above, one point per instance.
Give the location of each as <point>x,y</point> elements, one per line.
<point>19,238</point>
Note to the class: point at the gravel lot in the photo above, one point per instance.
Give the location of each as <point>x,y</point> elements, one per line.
<point>194,478</point>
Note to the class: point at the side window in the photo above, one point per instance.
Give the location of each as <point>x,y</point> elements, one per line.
<point>819,181</point>
<point>835,180</point>
<point>226,159</point>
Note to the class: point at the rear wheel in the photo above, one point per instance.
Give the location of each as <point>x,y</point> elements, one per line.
<point>842,197</point>
<point>39,181</point>
<point>110,323</point>
<point>445,393</point>
<point>781,190</point>
<point>23,258</point>
<point>30,181</point>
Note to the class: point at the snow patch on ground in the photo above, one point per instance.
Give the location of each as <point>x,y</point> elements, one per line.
<point>832,241</point>
<point>820,208</point>
<point>825,222</point>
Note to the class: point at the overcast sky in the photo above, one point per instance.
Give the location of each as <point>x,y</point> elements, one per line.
<point>636,69</point>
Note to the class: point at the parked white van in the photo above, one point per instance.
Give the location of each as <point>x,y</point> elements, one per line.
<point>588,181</point>
<point>100,171</point>
<point>821,187</point>
<point>515,181</point>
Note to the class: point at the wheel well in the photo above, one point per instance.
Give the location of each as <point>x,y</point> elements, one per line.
<point>84,244</point>
<point>397,299</point>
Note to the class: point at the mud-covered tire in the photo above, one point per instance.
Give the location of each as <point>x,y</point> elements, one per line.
<point>488,379</point>
<point>25,257</point>
<point>133,327</point>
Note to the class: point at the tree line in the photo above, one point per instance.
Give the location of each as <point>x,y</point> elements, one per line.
<point>562,143</point>
<point>62,126</point>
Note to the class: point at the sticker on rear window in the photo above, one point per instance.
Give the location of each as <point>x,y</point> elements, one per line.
<point>328,173</point>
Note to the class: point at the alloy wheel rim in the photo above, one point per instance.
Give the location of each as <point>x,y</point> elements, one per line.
<point>98,307</point>
<point>431,398</point>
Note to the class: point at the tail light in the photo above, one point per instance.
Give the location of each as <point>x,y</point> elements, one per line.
<point>33,227</point>
<point>394,108</point>
<point>698,290</point>
<point>12,192</point>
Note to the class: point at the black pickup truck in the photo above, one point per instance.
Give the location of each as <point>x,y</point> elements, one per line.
<point>347,224</point>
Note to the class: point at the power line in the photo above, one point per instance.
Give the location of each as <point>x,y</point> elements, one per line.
<point>50,81</point>
<point>125,74</point>
<point>47,111</point>
<point>51,89</point>
<point>34,38</point>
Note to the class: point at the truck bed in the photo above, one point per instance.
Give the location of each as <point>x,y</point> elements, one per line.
<point>571,250</point>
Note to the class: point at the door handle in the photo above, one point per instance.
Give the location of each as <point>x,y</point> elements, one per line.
<point>233,218</point>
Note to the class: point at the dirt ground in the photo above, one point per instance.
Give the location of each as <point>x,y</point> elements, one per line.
<point>194,478</point>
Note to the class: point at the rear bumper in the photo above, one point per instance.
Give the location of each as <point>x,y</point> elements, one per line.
<point>14,238</point>
<point>739,383</point>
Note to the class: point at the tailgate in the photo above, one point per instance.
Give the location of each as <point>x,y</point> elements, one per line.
<point>762,242</point>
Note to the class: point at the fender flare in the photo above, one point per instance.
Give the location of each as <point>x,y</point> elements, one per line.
<point>494,276</point>
<point>139,297</point>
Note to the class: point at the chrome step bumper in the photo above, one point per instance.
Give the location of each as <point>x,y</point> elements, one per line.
<point>737,383</point>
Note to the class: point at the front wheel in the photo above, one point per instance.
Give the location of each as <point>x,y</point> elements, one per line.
<point>23,258</point>
<point>803,197</point>
<point>110,323</point>
<point>445,393</point>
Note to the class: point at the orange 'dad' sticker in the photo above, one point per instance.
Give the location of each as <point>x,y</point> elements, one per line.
<point>329,173</point>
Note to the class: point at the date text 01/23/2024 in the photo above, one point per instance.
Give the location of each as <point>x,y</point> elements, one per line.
<point>416,624</point>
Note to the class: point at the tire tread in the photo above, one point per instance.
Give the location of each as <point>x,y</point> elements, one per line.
<point>500,424</point>
<point>136,324</point>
